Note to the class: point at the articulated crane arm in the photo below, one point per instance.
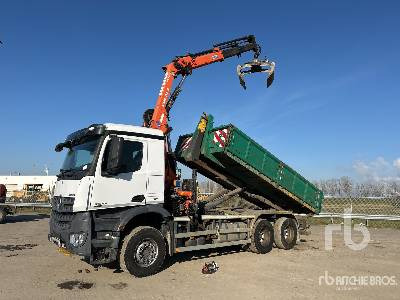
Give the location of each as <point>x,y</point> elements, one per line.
<point>184,65</point>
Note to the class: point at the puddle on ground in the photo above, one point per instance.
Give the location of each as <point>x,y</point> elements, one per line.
<point>86,271</point>
<point>119,286</point>
<point>11,255</point>
<point>16,247</point>
<point>303,247</point>
<point>75,284</point>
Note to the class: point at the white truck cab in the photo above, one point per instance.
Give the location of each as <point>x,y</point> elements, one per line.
<point>108,168</point>
<point>85,178</point>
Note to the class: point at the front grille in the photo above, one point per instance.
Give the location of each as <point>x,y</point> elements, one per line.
<point>62,204</point>
<point>61,212</point>
<point>62,220</point>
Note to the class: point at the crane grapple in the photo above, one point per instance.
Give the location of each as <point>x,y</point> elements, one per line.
<point>256,66</point>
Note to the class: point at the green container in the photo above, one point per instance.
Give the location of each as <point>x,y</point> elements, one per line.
<point>228,156</point>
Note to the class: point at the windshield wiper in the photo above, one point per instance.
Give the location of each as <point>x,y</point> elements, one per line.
<point>67,172</point>
<point>70,172</point>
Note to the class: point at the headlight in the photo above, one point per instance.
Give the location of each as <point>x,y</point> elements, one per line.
<point>77,239</point>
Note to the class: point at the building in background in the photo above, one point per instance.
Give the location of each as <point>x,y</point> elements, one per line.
<point>38,187</point>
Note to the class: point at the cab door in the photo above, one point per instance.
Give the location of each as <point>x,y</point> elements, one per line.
<point>127,188</point>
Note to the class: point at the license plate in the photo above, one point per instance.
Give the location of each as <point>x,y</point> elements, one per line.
<point>57,241</point>
<point>64,251</point>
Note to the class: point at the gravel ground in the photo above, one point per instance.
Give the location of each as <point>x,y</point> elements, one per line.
<point>32,268</point>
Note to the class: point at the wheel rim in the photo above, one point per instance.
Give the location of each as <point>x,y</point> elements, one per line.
<point>288,234</point>
<point>146,253</point>
<point>264,236</point>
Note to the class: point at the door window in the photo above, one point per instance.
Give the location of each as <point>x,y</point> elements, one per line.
<point>132,156</point>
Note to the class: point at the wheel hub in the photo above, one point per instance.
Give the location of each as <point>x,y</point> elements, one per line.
<point>264,237</point>
<point>146,253</point>
<point>286,233</point>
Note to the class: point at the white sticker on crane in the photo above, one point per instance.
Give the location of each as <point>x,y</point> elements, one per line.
<point>186,143</point>
<point>221,137</point>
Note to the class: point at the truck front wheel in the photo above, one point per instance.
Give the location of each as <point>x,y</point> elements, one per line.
<point>143,251</point>
<point>262,238</point>
<point>285,232</point>
<point>3,215</point>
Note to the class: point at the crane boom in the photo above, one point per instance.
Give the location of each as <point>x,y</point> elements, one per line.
<point>184,65</point>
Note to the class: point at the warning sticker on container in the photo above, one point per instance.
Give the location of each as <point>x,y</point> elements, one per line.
<point>186,143</point>
<point>221,137</point>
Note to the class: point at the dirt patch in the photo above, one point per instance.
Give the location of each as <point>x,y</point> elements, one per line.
<point>118,271</point>
<point>87,271</point>
<point>119,286</point>
<point>17,247</point>
<point>75,284</point>
<point>11,255</point>
<point>378,246</point>
<point>304,247</point>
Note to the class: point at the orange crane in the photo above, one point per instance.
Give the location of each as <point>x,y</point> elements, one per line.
<point>183,66</point>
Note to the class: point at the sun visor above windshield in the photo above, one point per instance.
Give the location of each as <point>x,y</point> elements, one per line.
<point>81,135</point>
<point>92,130</point>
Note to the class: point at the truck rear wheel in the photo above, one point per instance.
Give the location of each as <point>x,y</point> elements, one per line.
<point>263,237</point>
<point>143,252</point>
<point>3,215</point>
<point>285,233</point>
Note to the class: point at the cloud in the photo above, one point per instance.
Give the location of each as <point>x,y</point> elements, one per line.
<point>362,168</point>
<point>396,163</point>
<point>379,163</point>
<point>378,169</point>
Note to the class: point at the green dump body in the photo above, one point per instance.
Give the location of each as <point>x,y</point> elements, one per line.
<point>231,158</point>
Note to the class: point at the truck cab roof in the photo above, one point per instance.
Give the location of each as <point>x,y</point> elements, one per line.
<point>132,129</point>
<point>100,129</point>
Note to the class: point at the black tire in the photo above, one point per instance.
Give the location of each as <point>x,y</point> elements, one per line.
<point>262,238</point>
<point>285,233</point>
<point>3,215</point>
<point>143,252</point>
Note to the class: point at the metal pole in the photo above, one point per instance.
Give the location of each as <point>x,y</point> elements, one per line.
<point>215,203</point>
<point>216,195</point>
<point>194,185</point>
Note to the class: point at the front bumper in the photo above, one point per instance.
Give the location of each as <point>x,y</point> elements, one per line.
<point>62,225</point>
<point>100,245</point>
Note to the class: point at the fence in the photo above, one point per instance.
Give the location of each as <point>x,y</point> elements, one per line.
<point>385,209</point>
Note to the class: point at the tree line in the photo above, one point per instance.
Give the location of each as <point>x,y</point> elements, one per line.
<point>347,187</point>
<point>336,187</point>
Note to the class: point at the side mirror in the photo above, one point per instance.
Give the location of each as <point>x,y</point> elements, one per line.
<point>59,147</point>
<point>114,162</point>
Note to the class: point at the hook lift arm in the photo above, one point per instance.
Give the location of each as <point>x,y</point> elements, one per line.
<point>184,65</point>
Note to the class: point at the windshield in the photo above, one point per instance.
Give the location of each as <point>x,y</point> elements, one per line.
<point>80,157</point>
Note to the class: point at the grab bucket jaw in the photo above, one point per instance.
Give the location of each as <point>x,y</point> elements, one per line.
<point>256,66</point>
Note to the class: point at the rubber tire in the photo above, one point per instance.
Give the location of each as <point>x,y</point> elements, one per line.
<point>129,244</point>
<point>280,226</point>
<point>256,246</point>
<point>3,215</point>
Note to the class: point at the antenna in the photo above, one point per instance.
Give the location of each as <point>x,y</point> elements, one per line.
<point>46,170</point>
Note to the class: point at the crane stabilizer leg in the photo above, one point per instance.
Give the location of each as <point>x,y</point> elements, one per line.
<point>256,66</point>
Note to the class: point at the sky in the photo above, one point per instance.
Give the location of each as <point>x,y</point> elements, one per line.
<point>332,110</point>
